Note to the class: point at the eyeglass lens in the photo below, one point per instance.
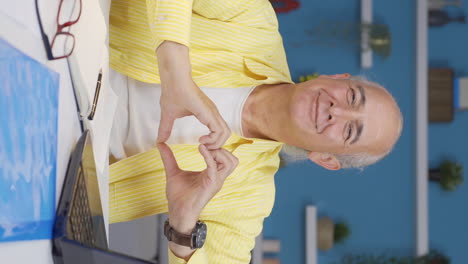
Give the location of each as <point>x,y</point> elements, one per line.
<point>63,42</point>
<point>69,12</point>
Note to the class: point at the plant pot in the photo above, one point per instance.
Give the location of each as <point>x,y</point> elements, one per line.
<point>325,233</point>
<point>435,175</point>
<point>449,175</point>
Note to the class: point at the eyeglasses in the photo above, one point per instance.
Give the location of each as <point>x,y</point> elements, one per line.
<point>63,42</point>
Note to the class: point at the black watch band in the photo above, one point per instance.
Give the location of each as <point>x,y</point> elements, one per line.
<point>194,240</point>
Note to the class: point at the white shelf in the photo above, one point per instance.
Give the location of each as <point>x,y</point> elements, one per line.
<point>422,211</point>
<point>311,235</point>
<point>257,252</point>
<point>366,18</point>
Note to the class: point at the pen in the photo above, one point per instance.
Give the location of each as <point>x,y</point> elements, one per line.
<point>96,96</point>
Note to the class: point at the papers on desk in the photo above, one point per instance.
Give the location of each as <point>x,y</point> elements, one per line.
<point>17,223</point>
<point>88,58</point>
<point>28,145</point>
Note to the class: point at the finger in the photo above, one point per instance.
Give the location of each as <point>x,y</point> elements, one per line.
<point>234,161</point>
<point>226,162</point>
<point>165,128</point>
<point>222,161</point>
<point>219,134</point>
<point>211,167</point>
<point>219,130</point>
<point>168,159</point>
<point>207,113</point>
<point>214,140</point>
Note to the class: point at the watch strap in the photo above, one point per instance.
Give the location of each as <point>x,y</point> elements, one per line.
<point>176,237</point>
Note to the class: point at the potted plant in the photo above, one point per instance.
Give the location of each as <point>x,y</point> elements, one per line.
<point>380,39</point>
<point>433,257</point>
<point>304,78</point>
<point>342,232</point>
<point>368,36</point>
<point>449,175</point>
<point>330,233</point>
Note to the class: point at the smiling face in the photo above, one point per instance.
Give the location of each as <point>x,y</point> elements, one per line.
<point>333,114</point>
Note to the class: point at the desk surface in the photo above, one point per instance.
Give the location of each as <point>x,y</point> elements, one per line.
<point>25,35</point>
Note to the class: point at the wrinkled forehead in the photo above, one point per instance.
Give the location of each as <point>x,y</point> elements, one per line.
<point>381,119</point>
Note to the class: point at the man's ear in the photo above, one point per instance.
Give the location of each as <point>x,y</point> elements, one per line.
<point>328,161</point>
<point>338,76</point>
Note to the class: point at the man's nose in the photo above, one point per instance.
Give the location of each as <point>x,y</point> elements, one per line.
<point>337,112</point>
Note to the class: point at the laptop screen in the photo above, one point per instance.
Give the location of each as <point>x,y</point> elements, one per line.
<point>79,214</point>
<point>79,231</point>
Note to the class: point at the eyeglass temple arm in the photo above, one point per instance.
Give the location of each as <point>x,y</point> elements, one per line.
<point>45,38</point>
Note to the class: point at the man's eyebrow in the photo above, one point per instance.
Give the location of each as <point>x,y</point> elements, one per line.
<point>362,102</point>
<point>358,132</point>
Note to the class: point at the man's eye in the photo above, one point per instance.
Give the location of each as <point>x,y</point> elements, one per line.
<point>350,132</point>
<point>353,96</point>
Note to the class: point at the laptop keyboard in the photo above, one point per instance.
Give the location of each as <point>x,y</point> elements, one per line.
<point>80,216</point>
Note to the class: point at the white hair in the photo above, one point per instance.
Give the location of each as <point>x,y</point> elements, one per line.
<point>291,154</point>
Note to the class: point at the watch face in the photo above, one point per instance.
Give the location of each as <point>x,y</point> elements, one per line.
<point>199,236</point>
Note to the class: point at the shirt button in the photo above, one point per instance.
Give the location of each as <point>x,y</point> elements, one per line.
<point>161,18</point>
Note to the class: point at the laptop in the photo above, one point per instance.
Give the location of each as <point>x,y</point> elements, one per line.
<point>79,230</point>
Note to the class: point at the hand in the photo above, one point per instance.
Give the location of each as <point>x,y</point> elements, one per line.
<point>192,102</point>
<point>181,97</point>
<point>188,192</point>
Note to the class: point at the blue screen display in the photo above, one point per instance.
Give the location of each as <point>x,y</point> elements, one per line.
<point>28,146</point>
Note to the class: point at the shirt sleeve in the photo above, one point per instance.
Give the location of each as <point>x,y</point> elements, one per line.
<point>169,20</point>
<point>230,239</point>
<point>198,256</point>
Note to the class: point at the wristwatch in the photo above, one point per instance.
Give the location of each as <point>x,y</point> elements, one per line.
<point>194,240</point>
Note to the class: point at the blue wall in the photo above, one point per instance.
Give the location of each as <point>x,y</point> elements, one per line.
<point>378,203</point>
<point>448,47</point>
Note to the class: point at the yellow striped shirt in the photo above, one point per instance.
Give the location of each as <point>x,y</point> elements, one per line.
<point>232,44</point>
<point>234,216</point>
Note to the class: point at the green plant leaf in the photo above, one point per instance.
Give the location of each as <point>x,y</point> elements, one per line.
<point>451,175</point>
<point>341,232</point>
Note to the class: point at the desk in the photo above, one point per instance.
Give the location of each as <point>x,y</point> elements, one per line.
<point>25,32</point>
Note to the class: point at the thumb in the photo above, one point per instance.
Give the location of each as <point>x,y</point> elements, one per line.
<point>211,166</point>
<point>165,127</point>
<point>168,159</point>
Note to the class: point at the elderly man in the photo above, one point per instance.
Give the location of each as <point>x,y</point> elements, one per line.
<point>164,51</point>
